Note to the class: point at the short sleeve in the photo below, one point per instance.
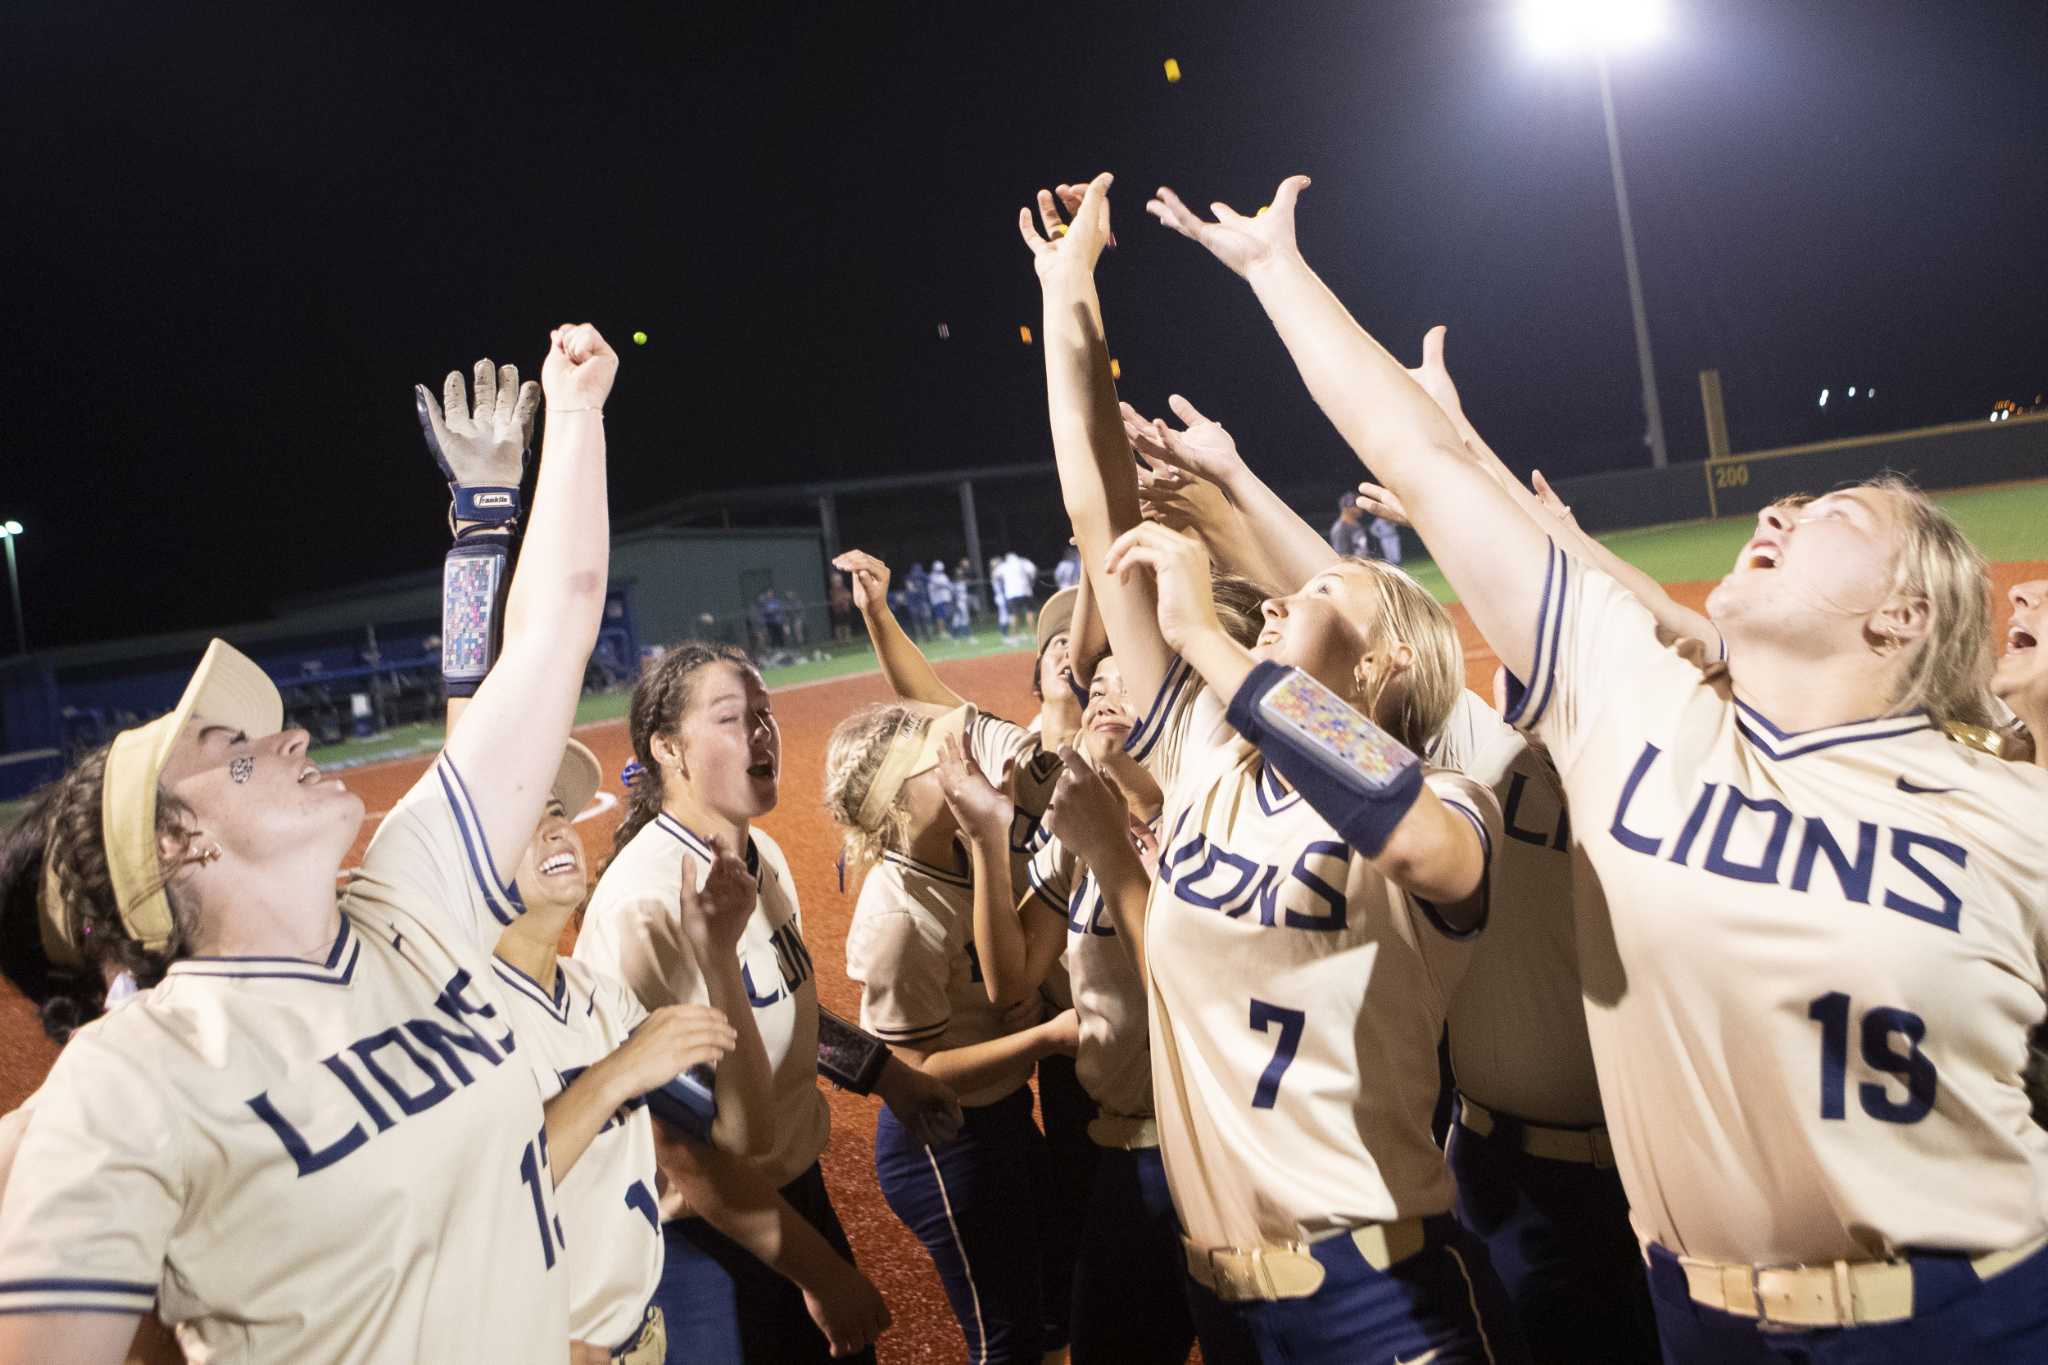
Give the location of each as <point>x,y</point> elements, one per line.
<point>96,1189</point>
<point>1596,650</point>
<point>428,860</point>
<point>1475,801</point>
<point>903,970</point>
<point>997,744</point>
<point>1183,713</point>
<point>633,932</point>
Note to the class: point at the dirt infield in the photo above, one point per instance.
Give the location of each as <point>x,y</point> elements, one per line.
<point>924,1330</point>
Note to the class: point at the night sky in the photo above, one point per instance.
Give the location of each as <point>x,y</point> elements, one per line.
<point>235,237</point>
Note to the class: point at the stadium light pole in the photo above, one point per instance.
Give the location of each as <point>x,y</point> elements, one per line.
<point>1605,27</point>
<point>8,531</point>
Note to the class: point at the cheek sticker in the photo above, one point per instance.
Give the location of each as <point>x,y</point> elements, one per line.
<point>239,769</point>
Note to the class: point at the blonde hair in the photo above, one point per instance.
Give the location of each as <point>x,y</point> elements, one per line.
<point>1429,689</point>
<point>853,759</point>
<point>1948,671</point>
<point>1240,605</point>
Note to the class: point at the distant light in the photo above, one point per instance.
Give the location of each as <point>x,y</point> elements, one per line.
<point>1870,393</point>
<point>1823,397</point>
<point>12,528</point>
<point>1852,390</point>
<point>1558,26</point>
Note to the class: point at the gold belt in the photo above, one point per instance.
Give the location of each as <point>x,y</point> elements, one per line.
<point>1286,1270</point>
<point>1123,1134</point>
<point>1842,1294</point>
<point>1585,1146</point>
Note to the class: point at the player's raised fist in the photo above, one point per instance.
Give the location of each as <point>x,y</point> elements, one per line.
<point>579,369</point>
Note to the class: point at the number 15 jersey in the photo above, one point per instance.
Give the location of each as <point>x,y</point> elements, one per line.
<point>1811,961</point>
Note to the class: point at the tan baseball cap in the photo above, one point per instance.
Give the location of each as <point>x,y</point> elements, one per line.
<point>227,688</point>
<point>1056,615</point>
<point>578,779</point>
<point>914,749</point>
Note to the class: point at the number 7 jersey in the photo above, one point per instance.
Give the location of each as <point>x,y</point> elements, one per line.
<point>1811,961</point>
<point>1297,997</point>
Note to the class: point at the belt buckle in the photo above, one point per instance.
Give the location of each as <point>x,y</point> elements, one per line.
<point>1233,1272</point>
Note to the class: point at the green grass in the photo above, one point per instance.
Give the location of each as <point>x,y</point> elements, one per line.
<point>2006,523</point>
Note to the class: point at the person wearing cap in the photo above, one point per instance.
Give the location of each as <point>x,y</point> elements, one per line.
<point>316,1138</point>
<point>939,590</point>
<point>977,1203</point>
<point>1348,534</point>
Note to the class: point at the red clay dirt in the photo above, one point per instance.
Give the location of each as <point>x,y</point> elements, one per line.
<point>924,1329</point>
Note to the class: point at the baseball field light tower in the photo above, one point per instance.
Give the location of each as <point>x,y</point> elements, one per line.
<point>1605,28</point>
<point>8,531</point>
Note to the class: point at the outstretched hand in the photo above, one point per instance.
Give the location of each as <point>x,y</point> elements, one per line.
<point>481,444</point>
<point>1057,245</point>
<point>975,802</point>
<point>715,916</point>
<point>1552,503</point>
<point>1242,243</point>
<point>870,578</point>
<point>1180,568</point>
<point>1435,379</point>
<point>1377,500</point>
<point>1202,448</point>
<point>1087,813</point>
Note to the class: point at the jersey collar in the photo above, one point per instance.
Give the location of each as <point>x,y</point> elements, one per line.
<point>557,1006</point>
<point>937,874</point>
<point>1779,744</point>
<point>337,970</point>
<point>699,846</point>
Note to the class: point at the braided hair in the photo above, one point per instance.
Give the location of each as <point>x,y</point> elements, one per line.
<point>660,699</point>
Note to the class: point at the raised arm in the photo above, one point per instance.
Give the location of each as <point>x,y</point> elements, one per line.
<point>1493,555</point>
<point>1089,816</point>
<point>511,738</point>
<point>1180,501</point>
<point>984,815</point>
<point>1097,478</point>
<point>1292,550</point>
<point>910,675</point>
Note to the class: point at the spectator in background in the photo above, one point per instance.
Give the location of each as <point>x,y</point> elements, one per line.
<point>769,608</point>
<point>939,589</point>
<point>1017,581</point>
<point>995,593</point>
<point>1067,573</point>
<point>963,597</point>
<point>840,604</point>
<point>916,585</point>
<point>1348,535</point>
<point>793,613</point>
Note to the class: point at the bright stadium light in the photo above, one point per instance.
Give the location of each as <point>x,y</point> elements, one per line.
<point>1823,397</point>
<point>8,531</point>
<point>1603,28</point>
<point>12,528</point>
<point>1852,390</point>
<point>1555,26</point>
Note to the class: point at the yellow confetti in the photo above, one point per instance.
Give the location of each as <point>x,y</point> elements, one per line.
<point>1262,209</point>
<point>1059,229</point>
<point>1116,371</point>
<point>1024,334</point>
<point>1172,71</point>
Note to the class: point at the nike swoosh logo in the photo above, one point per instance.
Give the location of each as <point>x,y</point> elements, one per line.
<point>1912,789</point>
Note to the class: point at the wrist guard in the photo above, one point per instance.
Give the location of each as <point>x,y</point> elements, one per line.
<point>473,581</point>
<point>848,1057</point>
<point>689,1103</point>
<point>1352,773</point>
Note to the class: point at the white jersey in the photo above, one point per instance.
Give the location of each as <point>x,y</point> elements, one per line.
<point>911,950</point>
<point>1297,996</point>
<point>607,1200</point>
<point>340,1160</point>
<point>1114,1061</point>
<point>1811,961</point>
<point>1016,576</point>
<point>1518,1029</point>
<point>1016,759</point>
<point>633,930</point>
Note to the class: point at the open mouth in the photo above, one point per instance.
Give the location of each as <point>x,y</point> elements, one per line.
<point>308,775</point>
<point>558,864</point>
<point>2017,639</point>
<point>1266,637</point>
<point>1761,557</point>
<point>764,770</point>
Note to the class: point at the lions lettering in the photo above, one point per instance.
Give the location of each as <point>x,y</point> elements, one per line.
<point>792,959</point>
<point>1724,818</point>
<point>392,1075</point>
<point>1294,897</point>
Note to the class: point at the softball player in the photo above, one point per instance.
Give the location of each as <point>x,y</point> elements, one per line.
<point>333,1084</point>
<point>2021,679</point>
<point>705,736</point>
<point>1317,1215</point>
<point>1809,924</point>
<point>976,1203</point>
<point>1024,761</point>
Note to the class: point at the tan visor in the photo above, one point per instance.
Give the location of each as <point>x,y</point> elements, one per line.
<point>578,779</point>
<point>915,749</point>
<point>227,689</point>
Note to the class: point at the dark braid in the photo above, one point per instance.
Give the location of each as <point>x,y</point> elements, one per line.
<point>660,698</point>
<point>62,823</point>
